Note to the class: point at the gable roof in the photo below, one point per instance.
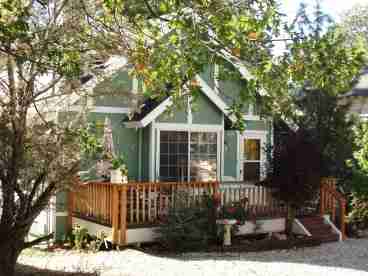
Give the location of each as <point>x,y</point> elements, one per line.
<point>155,109</point>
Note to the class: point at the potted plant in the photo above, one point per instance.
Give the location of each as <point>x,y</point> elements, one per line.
<point>119,170</point>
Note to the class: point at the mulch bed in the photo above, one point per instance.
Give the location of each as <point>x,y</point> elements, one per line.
<point>256,243</point>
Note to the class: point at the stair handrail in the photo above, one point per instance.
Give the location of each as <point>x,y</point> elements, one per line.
<point>328,196</point>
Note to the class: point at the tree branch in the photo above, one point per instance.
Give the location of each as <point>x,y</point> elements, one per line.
<point>38,240</point>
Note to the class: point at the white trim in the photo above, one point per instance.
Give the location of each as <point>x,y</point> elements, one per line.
<point>158,151</point>
<point>189,112</point>
<point>212,95</point>
<point>156,112</point>
<point>251,117</point>
<point>135,124</point>
<point>187,127</point>
<point>216,73</point>
<point>299,228</point>
<point>190,128</point>
<point>222,149</point>
<point>207,90</point>
<point>327,220</point>
<point>150,116</point>
<point>238,153</point>
<point>103,109</point>
<point>140,139</point>
<point>152,153</point>
<point>135,85</point>
<point>61,214</point>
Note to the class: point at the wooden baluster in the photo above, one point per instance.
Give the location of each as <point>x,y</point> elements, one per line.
<point>137,211</point>
<point>149,202</point>
<point>143,203</point>
<point>155,200</point>
<point>322,201</point>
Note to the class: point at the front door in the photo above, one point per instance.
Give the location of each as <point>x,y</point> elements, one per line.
<point>252,156</point>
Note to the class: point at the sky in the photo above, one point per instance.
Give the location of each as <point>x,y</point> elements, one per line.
<point>332,7</point>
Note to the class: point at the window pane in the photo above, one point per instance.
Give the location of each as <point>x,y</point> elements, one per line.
<point>173,156</point>
<point>252,149</point>
<point>203,163</point>
<point>251,171</point>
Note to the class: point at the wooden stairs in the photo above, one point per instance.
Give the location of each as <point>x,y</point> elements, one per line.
<point>319,229</point>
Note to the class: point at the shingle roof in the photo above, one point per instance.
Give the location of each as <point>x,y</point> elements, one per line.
<point>361,88</point>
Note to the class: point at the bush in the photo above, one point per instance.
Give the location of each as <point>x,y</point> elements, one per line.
<point>80,239</point>
<point>359,213</point>
<point>188,225</point>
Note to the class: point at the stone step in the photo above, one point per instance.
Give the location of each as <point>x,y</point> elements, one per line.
<point>312,220</point>
<point>318,227</point>
<point>331,237</point>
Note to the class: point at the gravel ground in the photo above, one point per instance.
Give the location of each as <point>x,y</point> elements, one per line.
<point>347,258</point>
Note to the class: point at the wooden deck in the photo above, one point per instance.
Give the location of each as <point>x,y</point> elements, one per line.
<point>142,204</point>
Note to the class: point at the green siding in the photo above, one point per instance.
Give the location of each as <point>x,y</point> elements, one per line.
<point>145,153</point>
<point>256,125</point>
<point>115,91</point>
<point>61,230</point>
<point>125,140</point>
<point>61,221</point>
<point>178,116</point>
<point>230,153</point>
<point>205,112</point>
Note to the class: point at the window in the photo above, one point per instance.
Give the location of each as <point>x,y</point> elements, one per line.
<point>203,156</point>
<point>188,156</point>
<point>252,159</point>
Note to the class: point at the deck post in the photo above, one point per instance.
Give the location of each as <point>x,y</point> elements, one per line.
<point>322,200</point>
<point>115,213</point>
<point>123,215</point>
<point>342,219</point>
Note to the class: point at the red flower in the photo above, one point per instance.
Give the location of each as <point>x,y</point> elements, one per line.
<point>231,210</point>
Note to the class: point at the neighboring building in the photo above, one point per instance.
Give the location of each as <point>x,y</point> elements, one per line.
<point>358,96</point>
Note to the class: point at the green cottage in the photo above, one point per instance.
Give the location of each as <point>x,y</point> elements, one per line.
<point>164,144</point>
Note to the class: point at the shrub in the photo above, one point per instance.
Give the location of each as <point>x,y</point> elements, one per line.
<point>188,225</point>
<point>359,213</point>
<point>294,171</point>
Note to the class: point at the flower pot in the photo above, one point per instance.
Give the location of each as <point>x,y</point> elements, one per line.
<point>116,176</point>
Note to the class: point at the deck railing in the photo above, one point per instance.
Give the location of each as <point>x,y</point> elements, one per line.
<point>142,204</point>
<point>259,200</point>
<point>333,203</point>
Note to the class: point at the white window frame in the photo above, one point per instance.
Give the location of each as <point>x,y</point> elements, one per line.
<point>189,128</point>
<point>253,134</point>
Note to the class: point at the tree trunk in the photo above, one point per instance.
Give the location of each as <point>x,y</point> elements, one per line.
<point>291,213</point>
<point>9,253</point>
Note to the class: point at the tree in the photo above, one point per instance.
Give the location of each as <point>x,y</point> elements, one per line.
<point>354,23</point>
<point>44,50</point>
<point>170,42</point>
<point>328,123</point>
<point>294,171</point>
